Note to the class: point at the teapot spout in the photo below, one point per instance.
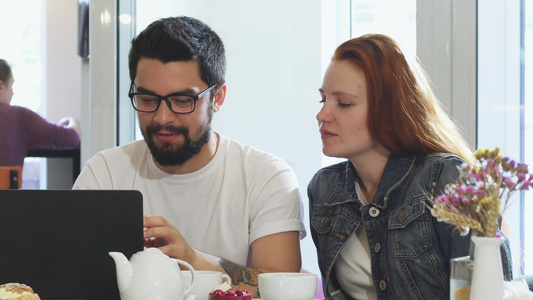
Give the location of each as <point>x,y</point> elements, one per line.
<point>124,270</point>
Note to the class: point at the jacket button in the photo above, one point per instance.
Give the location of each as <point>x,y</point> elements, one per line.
<point>382,285</point>
<point>377,247</point>
<point>374,212</point>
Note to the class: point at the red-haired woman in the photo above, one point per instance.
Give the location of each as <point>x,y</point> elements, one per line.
<point>375,236</point>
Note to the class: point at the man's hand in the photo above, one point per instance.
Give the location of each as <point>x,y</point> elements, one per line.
<point>279,252</point>
<point>161,234</point>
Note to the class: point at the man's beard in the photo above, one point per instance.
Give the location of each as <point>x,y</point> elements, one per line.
<point>175,155</point>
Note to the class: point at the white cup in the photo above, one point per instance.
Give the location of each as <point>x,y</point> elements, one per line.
<point>287,286</point>
<point>204,283</point>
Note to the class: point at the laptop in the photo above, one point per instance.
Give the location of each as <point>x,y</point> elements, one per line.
<point>57,241</point>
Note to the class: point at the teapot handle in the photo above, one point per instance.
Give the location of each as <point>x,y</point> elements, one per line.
<point>193,273</point>
<point>226,278</point>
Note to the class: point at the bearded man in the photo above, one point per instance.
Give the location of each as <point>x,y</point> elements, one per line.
<point>209,200</point>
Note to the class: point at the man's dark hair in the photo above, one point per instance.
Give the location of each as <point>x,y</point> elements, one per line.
<point>181,39</point>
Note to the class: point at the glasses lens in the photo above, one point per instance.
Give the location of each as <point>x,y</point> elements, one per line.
<point>145,102</point>
<point>182,104</point>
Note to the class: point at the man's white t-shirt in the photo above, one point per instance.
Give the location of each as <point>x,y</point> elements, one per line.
<point>241,195</point>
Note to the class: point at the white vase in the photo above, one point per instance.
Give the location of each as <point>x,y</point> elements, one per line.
<point>487,277</point>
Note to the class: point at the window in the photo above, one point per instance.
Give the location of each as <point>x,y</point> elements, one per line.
<point>505,104</point>
<point>396,19</point>
<point>527,135</point>
<point>357,17</point>
<point>21,48</point>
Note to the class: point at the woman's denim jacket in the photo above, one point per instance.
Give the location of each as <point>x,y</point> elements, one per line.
<point>410,250</point>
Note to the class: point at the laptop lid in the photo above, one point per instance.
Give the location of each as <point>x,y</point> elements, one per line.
<point>57,241</point>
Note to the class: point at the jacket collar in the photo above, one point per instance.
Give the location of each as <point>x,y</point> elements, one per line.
<point>395,173</point>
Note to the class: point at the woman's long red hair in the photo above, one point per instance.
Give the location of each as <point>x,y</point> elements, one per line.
<point>404,115</point>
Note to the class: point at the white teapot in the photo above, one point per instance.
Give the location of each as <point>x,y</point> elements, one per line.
<point>150,275</point>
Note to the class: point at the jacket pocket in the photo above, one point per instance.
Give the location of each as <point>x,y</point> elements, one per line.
<point>331,226</point>
<point>410,229</point>
<point>322,219</point>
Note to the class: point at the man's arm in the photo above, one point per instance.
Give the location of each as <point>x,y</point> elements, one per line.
<point>279,252</point>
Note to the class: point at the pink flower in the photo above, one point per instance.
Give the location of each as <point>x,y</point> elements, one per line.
<point>527,184</point>
<point>512,164</point>
<point>509,183</point>
<point>482,193</point>
<point>521,177</point>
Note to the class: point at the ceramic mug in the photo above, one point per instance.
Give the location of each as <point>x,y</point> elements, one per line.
<point>287,286</point>
<point>204,283</point>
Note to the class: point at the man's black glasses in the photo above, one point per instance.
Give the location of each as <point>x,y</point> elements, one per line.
<point>177,102</point>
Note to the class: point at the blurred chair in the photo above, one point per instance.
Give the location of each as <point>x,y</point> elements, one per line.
<point>10,177</point>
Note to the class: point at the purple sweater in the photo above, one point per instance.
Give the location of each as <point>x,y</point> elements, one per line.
<point>22,129</point>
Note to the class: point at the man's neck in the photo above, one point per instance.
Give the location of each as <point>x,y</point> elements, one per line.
<point>198,161</point>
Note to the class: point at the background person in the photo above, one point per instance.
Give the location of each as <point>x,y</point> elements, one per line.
<point>211,201</point>
<point>375,236</point>
<point>22,129</point>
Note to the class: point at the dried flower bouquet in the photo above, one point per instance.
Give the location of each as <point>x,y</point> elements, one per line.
<point>478,199</point>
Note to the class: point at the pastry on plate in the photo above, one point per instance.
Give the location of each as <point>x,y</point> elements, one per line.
<point>17,291</point>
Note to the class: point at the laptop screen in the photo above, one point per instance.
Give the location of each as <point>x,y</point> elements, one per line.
<point>57,241</point>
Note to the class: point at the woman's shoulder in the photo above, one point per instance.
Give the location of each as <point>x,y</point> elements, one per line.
<point>439,158</point>
<point>439,168</point>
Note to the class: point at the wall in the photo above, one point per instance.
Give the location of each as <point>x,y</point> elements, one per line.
<point>499,113</point>
<point>61,77</point>
<point>99,117</point>
<point>274,72</point>
<point>446,46</point>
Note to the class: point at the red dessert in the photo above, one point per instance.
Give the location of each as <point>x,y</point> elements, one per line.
<point>230,294</point>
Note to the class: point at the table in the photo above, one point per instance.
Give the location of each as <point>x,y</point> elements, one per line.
<point>58,153</point>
